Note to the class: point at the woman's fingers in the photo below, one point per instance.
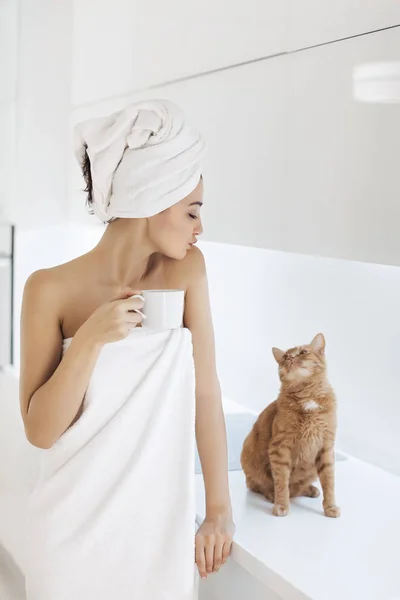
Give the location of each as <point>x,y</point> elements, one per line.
<point>226,551</point>
<point>133,318</point>
<point>200,556</point>
<point>213,546</point>
<point>209,552</point>
<point>134,302</point>
<point>219,544</point>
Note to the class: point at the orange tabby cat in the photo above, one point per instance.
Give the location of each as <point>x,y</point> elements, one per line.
<point>292,442</point>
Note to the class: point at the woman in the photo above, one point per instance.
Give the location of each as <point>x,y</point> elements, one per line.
<point>142,168</point>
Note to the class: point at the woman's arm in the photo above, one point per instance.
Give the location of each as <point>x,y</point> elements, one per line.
<point>51,392</point>
<point>210,422</point>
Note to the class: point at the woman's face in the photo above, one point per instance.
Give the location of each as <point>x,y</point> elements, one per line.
<point>175,230</point>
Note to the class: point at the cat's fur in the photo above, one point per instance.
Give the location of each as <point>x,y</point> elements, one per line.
<point>292,442</point>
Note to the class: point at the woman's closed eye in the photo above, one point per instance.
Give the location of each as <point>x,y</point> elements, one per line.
<point>193,216</point>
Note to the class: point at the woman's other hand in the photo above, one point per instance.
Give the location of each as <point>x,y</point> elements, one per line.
<point>213,542</point>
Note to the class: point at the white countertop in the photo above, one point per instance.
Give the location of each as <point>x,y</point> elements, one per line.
<point>307,556</point>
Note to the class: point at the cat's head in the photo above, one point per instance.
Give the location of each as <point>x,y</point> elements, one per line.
<point>303,362</point>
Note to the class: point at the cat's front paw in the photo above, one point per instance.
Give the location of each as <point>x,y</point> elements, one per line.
<point>280,510</point>
<point>332,511</point>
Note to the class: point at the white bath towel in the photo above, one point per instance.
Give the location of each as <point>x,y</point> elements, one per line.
<point>143,159</point>
<point>113,514</point>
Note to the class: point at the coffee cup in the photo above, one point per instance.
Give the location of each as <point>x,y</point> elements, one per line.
<point>163,309</point>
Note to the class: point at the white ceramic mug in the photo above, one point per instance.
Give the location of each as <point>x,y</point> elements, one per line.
<point>163,309</point>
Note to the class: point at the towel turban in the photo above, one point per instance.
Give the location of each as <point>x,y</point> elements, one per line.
<point>143,159</point>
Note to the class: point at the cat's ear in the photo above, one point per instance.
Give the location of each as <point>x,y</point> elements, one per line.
<point>278,354</point>
<point>318,344</point>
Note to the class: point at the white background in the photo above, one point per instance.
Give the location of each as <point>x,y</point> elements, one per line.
<point>294,164</point>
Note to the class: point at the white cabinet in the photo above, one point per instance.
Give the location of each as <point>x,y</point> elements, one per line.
<point>341,192</point>
<point>233,582</point>
<point>311,22</point>
<point>293,162</point>
<point>125,46</point>
<point>128,46</point>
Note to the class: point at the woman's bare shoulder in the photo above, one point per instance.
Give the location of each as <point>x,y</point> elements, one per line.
<point>184,272</point>
<point>61,280</point>
<point>54,283</point>
<point>195,259</point>
<point>45,280</point>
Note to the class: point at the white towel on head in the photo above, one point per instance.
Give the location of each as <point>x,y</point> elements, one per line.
<point>143,159</point>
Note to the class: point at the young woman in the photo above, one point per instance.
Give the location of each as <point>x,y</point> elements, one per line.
<point>142,168</point>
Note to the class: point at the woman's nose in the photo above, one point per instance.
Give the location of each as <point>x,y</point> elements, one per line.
<point>199,227</point>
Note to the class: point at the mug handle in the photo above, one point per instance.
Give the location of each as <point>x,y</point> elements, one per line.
<point>136,309</point>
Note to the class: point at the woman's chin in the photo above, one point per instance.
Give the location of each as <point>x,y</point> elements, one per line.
<point>178,255</point>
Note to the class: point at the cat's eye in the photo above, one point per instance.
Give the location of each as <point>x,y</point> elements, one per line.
<point>303,352</point>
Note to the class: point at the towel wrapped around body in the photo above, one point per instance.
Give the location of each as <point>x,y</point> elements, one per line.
<point>113,512</point>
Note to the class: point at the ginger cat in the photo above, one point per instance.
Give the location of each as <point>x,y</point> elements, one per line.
<point>292,442</point>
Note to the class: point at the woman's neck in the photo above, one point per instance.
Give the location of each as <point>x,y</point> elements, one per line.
<point>124,255</point>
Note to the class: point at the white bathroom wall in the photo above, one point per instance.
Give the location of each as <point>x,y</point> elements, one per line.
<point>35,73</point>
<point>8,49</point>
<point>7,158</point>
<point>150,43</point>
<point>42,112</point>
<point>5,310</point>
<point>6,299</point>
<point>311,22</point>
<point>8,94</point>
<point>293,163</point>
<point>8,82</point>
<point>341,174</point>
<point>263,298</point>
<point>238,147</point>
<point>153,42</point>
